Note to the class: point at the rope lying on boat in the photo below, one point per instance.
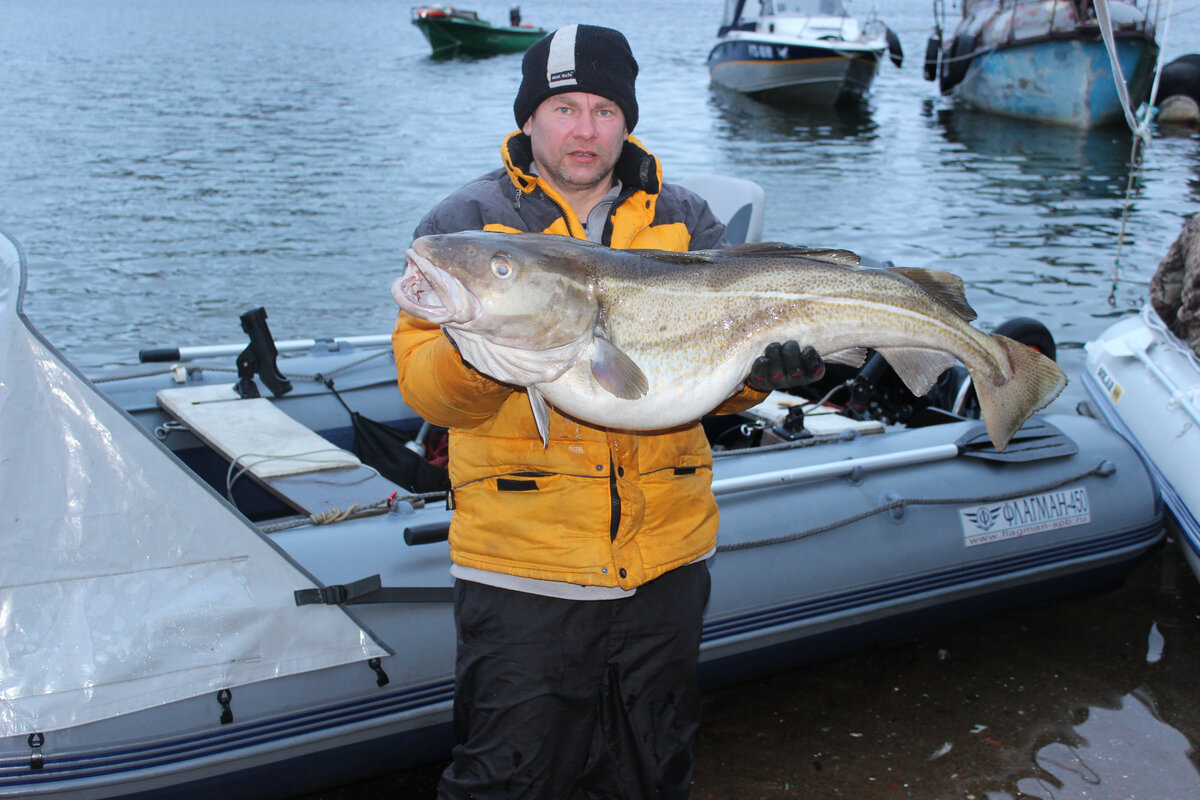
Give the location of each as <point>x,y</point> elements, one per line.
<point>353,512</point>
<point>133,376</point>
<point>321,376</point>
<point>235,473</point>
<point>1101,468</point>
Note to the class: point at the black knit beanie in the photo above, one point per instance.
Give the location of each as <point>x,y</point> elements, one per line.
<point>578,58</point>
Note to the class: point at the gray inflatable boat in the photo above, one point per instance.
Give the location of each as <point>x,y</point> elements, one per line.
<point>225,573</point>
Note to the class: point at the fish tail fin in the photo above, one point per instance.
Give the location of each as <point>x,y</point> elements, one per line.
<point>1034,382</point>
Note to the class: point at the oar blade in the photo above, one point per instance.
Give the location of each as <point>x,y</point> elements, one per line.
<point>1037,440</point>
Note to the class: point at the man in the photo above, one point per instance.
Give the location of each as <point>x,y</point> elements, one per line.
<point>580,565</point>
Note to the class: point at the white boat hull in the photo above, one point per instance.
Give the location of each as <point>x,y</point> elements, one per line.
<point>794,72</point>
<point>1145,382</point>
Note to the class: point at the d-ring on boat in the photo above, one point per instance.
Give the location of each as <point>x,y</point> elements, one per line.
<point>208,589</point>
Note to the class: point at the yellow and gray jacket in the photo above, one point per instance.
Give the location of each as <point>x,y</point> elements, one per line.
<point>594,507</point>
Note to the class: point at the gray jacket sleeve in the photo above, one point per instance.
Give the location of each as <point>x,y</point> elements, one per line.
<point>470,208</point>
<point>707,232</point>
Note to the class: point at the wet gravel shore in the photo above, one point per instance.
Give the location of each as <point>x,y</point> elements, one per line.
<point>1062,701</point>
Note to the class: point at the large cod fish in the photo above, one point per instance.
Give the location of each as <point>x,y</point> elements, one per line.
<point>649,339</point>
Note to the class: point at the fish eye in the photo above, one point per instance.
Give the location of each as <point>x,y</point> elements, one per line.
<point>502,268</point>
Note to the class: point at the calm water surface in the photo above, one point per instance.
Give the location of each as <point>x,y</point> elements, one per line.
<point>169,164</point>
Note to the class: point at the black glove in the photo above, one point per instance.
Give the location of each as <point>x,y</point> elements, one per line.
<point>783,366</point>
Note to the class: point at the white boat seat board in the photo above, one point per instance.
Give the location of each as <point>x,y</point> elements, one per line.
<point>253,432</point>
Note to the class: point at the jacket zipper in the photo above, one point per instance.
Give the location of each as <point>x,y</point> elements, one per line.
<point>562,212</point>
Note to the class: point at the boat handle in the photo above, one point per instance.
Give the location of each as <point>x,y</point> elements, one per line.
<point>427,533</point>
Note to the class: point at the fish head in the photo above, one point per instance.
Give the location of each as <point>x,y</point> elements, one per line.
<point>516,290</point>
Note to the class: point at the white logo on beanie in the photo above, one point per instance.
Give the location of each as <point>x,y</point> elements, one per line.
<point>560,61</point>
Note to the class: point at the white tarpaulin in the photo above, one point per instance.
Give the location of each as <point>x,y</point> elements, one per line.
<point>124,582</point>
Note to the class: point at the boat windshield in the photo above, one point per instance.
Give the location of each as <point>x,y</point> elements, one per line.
<point>804,8</point>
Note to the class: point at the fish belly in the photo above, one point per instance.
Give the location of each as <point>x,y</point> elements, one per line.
<point>670,402</point>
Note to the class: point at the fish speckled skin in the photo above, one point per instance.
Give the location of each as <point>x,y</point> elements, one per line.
<point>646,340</point>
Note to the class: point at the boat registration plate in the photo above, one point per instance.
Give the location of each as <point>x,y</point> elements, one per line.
<point>1025,516</point>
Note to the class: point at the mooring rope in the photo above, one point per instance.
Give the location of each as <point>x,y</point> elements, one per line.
<point>1140,127</point>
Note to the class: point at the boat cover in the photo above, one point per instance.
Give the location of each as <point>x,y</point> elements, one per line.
<point>126,583</point>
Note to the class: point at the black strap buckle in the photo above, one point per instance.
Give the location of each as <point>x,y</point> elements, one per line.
<point>372,590</point>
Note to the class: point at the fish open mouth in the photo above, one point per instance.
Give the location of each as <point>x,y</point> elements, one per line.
<point>431,293</point>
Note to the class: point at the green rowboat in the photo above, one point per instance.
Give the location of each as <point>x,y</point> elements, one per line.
<point>453,31</point>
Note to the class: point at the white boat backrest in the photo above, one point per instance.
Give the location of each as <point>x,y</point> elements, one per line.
<point>737,202</point>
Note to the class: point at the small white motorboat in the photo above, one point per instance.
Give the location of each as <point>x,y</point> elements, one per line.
<point>1044,60</point>
<point>805,52</point>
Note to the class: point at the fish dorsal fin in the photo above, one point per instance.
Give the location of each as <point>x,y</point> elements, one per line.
<point>946,287</point>
<point>844,258</point>
<point>685,258</point>
<point>616,372</point>
<point>917,367</point>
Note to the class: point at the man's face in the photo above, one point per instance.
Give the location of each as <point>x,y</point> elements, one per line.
<point>577,138</point>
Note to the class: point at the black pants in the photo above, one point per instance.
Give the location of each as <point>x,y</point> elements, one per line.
<point>550,693</point>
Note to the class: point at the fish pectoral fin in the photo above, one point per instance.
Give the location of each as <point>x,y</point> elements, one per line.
<point>541,414</point>
<point>917,367</point>
<point>851,357</point>
<point>616,372</point>
<point>945,287</point>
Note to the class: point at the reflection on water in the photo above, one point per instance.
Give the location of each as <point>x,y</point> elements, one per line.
<point>1105,754</point>
<point>1048,162</point>
<point>741,118</point>
<point>1070,700</point>
<point>1050,197</point>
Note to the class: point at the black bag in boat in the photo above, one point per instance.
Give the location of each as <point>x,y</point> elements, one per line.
<point>385,449</point>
